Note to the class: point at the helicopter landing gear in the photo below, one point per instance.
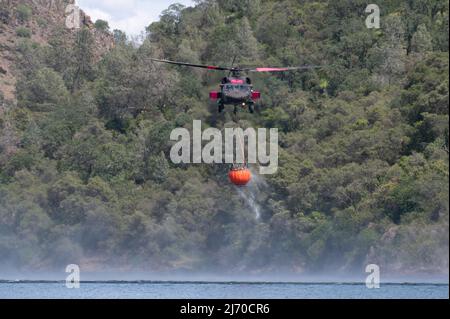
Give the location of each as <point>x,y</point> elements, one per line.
<point>251,107</point>
<point>221,107</point>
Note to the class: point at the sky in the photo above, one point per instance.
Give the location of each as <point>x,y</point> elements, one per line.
<point>131,16</point>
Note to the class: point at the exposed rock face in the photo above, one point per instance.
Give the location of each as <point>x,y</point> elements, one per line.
<point>40,18</point>
<point>37,20</point>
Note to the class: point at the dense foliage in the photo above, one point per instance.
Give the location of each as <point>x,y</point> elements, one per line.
<point>364,163</point>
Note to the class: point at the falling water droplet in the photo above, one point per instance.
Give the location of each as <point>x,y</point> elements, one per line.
<point>250,199</point>
<point>251,193</point>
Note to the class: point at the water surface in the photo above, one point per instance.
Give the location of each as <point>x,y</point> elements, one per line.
<point>218,290</point>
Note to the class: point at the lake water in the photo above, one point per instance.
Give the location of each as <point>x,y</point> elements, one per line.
<point>214,290</point>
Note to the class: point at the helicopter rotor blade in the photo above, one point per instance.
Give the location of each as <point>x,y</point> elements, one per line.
<point>208,67</point>
<point>237,69</point>
<point>305,67</point>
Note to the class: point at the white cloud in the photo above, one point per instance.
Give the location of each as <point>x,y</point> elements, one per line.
<point>131,16</point>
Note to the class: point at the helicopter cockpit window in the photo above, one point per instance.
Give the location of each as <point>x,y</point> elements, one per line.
<point>241,88</point>
<point>244,88</point>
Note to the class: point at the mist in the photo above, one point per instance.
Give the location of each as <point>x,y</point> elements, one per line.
<point>85,122</point>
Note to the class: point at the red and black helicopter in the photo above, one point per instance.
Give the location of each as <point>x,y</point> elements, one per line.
<point>236,89</point>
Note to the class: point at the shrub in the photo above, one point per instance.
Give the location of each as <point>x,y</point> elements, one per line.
<point>23,13</point>
<point>4,14</point>
<point>42,22</point>
<point>23,32</point>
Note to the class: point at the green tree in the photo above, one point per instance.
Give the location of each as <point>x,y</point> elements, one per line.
<point>101,25</point>
<point>83,59</point>
<point>421,40</point>
<point>43,91</point>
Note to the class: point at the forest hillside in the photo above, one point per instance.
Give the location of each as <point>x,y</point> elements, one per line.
<point>85,120</point>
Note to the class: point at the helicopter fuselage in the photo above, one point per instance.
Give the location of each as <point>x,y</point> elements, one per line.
<point>236,91</point>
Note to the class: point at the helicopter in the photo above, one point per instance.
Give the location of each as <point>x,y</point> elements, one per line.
<point>235,89</point>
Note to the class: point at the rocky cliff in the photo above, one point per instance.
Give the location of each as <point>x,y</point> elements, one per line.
<point>38,20</point>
